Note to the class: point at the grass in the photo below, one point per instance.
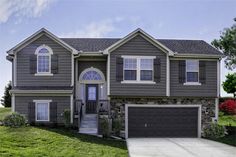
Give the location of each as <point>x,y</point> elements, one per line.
<point>4,112</point>
<point>51,142</point>
<point>37,142</point>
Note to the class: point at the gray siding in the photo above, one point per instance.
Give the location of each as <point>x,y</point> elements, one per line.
<point>209,89</point>
<point>101,65</point>
<point>63,102</point>
<point>140,47</point>
<point>24,78</point>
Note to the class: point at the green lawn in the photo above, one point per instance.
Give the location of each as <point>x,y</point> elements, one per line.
<point>4,112</point>
<point>38,142</point>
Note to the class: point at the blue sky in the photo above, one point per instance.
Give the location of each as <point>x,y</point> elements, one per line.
<point>170,19</point>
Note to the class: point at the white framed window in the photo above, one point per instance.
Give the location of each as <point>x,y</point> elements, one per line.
<point>138,69</point>
<point>130,69</point>
<point>192,71</point>
<point>42,111</point>
<point>43,53</point>
<point>146,69</point>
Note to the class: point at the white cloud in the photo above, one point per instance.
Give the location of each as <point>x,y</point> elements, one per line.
<point>22,8</point>
<point>95,29</point>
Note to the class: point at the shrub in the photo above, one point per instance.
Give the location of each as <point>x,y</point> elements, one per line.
<point>228,107</point>
<point>14,120</point>
<point>231,130</point>
<point>104,123</point>
<point>116,125</point>
<point>214,131</point>
<point>66,117</point>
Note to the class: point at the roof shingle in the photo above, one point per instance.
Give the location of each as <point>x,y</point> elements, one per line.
<point>179,46</point>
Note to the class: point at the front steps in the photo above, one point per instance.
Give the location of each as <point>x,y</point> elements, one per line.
<point>88,124</point>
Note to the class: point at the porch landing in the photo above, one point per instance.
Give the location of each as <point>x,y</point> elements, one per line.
<point>89,124</point>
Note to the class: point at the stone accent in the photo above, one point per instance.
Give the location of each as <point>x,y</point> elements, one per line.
<point>117,106</point>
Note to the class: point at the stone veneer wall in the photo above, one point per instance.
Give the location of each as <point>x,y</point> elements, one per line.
<point>208,106</point>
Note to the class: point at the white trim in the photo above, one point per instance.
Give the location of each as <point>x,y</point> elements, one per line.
<point>192,84</point>
<point>218,78</point>
<point>39,33</point>
<point>134,34</point>
<point>138,57</point>
<point>43,74</point>
<point>137,82</point>
<point>13,103</point>
<point>43,46</point>
<point>138,69</point>
<point>216,109</point>
<point>15,70</point>
<point>71,109</point>
<point>108,74</point>
<point>92,81</point>
<point>49,60</point>
<point>167,76</point>
<point>41,91</point>
<point>72,70</point>
<point>163,106</point>
<point>186,71</point>
<point>42,101</point>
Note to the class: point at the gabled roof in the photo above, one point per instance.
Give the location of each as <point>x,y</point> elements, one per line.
<point>144,35</point>
<point>39,33</point>
<point>176,45</point>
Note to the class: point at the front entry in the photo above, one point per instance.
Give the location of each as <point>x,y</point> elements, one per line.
<point>91,98</point>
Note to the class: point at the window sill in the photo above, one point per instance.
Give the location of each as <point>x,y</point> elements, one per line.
<point>42,120</point>
<point>192,84</point>
<point>43,74</point>
<point>138,82</point>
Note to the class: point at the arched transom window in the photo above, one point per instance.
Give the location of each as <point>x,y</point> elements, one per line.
<point>43,53</point>
<point>91,75</point>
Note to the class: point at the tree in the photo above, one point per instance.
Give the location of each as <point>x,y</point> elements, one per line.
<point>230,84</point>
<point>6,99</point>
<point>227,44</point>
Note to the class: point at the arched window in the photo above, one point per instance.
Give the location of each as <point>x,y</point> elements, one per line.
<point>43,53</point>
<point>92,75</point>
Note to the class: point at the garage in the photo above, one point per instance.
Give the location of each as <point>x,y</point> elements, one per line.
<point>163,121</point>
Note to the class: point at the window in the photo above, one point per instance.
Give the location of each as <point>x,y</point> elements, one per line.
<point>138,68</point>
<point>43,59</point>
<point>192,71</point>
<point>92,75</point>
<point>146,67</point>
<point>130,69</point>
<point>92,94</point>
<point>42,110</point>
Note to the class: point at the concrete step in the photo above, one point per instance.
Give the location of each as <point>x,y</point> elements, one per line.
<point>88,124</point>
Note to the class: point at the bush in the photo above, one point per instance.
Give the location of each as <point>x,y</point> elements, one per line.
<point>228,107</point>
<point>104,123</point>
<point>214,131</point>
<point>14,120</point>
<point>66,117</point>
<point>116,125</point>
<point>231,130</point>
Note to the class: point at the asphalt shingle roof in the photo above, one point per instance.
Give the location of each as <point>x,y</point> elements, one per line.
<point>179,46</point>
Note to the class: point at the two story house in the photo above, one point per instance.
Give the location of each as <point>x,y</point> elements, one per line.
<point>157,87</point>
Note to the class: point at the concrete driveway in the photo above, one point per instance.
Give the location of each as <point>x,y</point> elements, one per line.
<point>178,147</point>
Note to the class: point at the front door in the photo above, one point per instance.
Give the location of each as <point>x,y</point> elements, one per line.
<point>91,98</point>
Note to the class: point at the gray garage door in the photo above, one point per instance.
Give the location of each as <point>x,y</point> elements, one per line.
<point>162,121</point>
